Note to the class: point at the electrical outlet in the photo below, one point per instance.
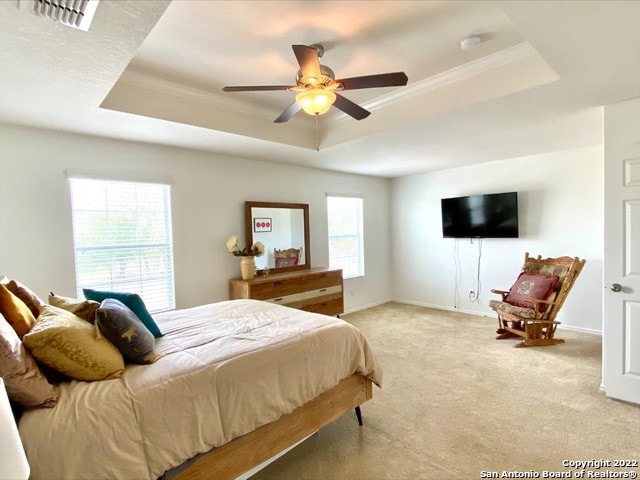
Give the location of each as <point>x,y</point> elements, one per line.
<point>351,294</point>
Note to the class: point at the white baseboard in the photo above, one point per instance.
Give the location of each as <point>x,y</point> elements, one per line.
<point>486,315</point>
<point>580,329</point>
<point>369,305</point>
<point>441,307</point>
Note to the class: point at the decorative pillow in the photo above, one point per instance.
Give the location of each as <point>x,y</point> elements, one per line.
<point>67,343</point>
<point>119,324</point>
<point>85,309</point>
<point>25,294</point>
<point>531,286</point>
<point>26,385</point>
<point>15,312</point>
<point>131,300</point>
<point>286,262</point>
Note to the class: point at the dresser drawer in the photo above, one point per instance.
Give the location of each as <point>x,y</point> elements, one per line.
<point>276,288</point>
<point>322,280</point>
<point>322,298</point>
<point>316,290</point>
<point>327,307</point>
<point>294,300</point>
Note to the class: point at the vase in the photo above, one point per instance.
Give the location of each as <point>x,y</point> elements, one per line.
<point>247,267</point>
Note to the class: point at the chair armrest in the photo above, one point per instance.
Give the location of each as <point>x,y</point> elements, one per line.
<point>536,304</point>
<point>503,293</point>
<point>536,300</point>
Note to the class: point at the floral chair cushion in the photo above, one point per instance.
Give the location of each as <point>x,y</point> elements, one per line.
<point>549,270</point>
<point>503,307</point>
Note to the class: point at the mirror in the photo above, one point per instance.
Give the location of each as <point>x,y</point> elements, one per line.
<point>279,226</point>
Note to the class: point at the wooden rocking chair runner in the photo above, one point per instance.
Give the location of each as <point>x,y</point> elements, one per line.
<point>533,317</point>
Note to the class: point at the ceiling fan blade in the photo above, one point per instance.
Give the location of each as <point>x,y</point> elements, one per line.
<point>350,108</point>
<point>288,113</point>
<point>257,88</point>
<point>308,60</point>
<point>395,79</point>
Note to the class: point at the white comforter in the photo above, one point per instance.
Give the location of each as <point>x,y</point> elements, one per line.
<point>228,368</point>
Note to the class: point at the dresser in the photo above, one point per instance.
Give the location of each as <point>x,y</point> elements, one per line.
<point>314,290</point>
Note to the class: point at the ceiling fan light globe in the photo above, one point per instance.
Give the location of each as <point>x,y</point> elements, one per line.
<point>316,101</point>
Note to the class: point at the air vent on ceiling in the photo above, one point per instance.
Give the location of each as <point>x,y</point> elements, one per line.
<point>74,13</point>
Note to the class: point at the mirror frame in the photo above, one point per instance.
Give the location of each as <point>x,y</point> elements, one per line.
<point>248,220</point>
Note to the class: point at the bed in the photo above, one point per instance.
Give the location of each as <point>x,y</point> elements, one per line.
<point>237,382</point>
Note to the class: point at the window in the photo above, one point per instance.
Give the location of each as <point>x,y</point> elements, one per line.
<point>122,239</point>
<point>346,239</point>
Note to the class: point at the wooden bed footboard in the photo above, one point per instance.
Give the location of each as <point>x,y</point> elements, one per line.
<point>248,451</point>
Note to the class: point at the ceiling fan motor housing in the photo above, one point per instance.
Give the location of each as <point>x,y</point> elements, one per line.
<point>327,77</point>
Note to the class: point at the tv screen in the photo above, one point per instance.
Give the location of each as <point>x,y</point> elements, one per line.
<point>481,216</point>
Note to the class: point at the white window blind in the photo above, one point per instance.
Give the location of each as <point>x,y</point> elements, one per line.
<point>346,236</point>
<point>122,239</point>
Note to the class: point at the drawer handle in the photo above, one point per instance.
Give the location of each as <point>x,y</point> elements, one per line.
<point>323,290</point>
<point>277,283</point>
<point>278,299</point>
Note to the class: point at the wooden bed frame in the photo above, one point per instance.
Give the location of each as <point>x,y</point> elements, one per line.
<point>248,451</point>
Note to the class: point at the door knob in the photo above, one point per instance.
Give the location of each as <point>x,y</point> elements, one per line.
<point>615,287</point>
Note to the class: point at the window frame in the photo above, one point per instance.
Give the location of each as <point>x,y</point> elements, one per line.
<point>166,299</point>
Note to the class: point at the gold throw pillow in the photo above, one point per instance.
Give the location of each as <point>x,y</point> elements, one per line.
<point>67,343</point>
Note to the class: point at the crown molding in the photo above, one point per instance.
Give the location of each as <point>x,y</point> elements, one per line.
<point>498,59</point>
<point>168,87</point>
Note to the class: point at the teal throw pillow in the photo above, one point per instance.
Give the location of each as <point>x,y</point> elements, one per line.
<point>131,300</point>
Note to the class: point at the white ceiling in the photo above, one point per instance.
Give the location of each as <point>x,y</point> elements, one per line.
<point>153,71</point>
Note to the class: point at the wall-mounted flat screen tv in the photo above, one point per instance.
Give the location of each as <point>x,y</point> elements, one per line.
<point>481,216</point>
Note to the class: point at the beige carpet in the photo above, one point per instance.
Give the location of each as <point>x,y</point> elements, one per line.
<point>456,402</point>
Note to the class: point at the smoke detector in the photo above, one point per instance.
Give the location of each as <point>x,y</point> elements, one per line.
<point>73,13</point>
<point>470,42</point>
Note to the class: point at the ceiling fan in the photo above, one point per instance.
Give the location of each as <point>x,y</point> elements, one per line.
<point>316,86</point>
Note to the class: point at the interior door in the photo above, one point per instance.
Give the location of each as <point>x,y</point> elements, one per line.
<point>622,272</point>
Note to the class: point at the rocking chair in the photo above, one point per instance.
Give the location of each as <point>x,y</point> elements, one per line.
<point>530,307</point>
<point>287,257</point>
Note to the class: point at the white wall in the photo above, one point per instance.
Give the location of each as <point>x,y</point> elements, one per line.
<point>561,208</point>
<point>208,195</point>
<point>560,202</point>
